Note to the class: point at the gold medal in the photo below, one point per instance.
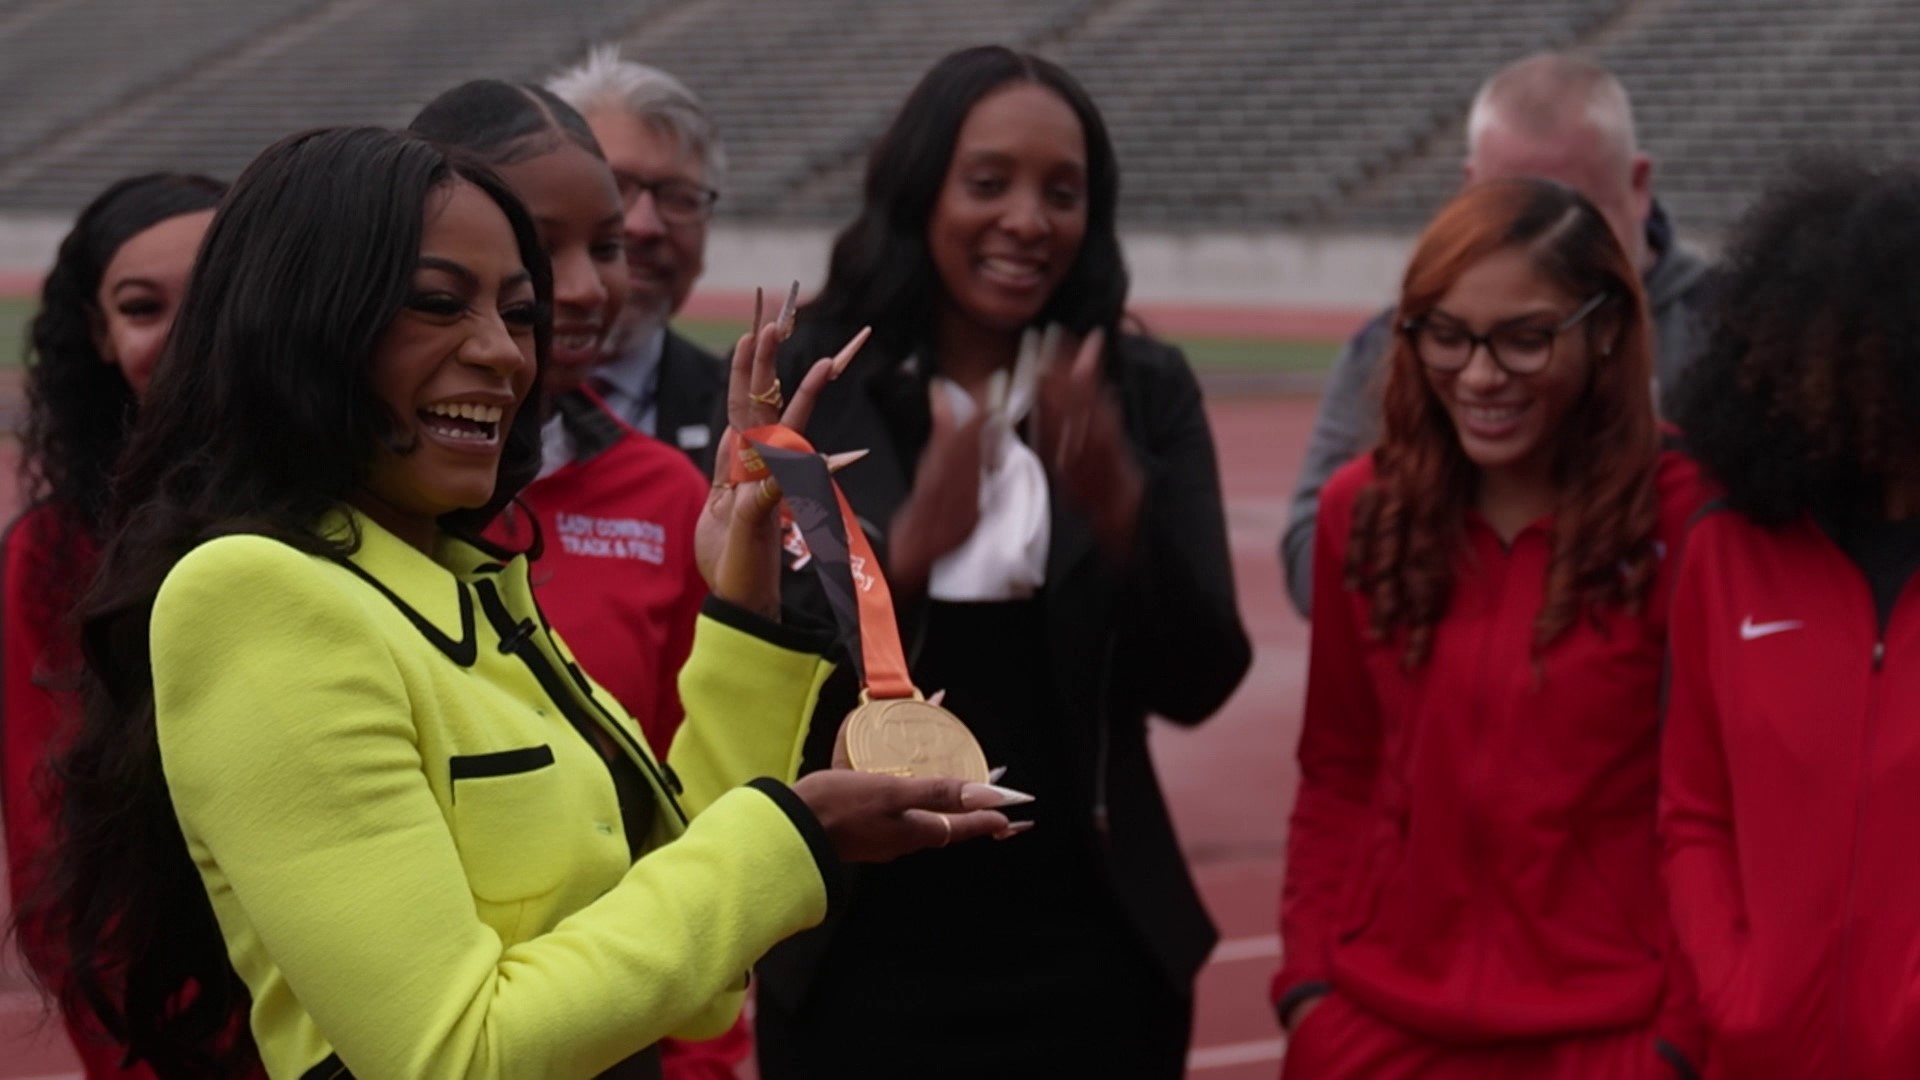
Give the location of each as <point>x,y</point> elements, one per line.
<point>894,730</point>
<point>910,737</point>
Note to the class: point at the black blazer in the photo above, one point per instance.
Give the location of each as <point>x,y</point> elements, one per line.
<point>1161,636</point>
<point>691,400</point>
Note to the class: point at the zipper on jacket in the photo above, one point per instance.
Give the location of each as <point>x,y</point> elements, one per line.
<point>1482,743</point>
<point>1861,780</point>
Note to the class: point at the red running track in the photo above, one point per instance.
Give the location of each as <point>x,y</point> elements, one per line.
<point>1230,782</point>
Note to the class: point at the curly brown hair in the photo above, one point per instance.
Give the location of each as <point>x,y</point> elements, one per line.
<point>1409,521</point>
<point>1806,399</point>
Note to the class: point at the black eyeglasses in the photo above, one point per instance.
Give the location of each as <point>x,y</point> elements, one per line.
<point>1517,348</point>
<point>678,202</point>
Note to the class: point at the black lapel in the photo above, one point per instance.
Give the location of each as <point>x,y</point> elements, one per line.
<point>848,417</point>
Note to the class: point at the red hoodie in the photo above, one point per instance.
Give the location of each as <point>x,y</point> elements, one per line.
<point>1790,805</point>
<point>1472,854</point>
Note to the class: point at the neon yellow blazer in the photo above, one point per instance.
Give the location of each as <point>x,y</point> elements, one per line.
<point>419,865</point>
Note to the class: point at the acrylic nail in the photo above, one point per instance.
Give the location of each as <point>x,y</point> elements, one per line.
<point>998,771</point>
<point>847,352</point>
<point>991,797</point>
<point>1013,830</point>
<point>788,310</point>
<point>836,462</point>
<point>759,307</point>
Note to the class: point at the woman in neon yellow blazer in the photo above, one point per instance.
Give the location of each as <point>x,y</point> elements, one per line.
<point>338,777</point>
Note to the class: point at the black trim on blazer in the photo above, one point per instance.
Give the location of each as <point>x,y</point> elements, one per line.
<point>629,785</point>
<point>833,873</point>
<point>330,1069</point>
<point>499,763</point>
<point>463,652</point>
<point>790,638</point>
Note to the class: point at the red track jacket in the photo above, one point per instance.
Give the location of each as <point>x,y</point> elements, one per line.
<point>1790,806</point>
<point>1473,854</point>
<point>618,577</point>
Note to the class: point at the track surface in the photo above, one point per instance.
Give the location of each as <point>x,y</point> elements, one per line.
<point>1230,782</point>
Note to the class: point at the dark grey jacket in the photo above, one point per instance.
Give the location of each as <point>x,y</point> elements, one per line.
<point>1349,417</point>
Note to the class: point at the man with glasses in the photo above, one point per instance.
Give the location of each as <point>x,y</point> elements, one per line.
<point>1555,116</point>
<point>666,157</point>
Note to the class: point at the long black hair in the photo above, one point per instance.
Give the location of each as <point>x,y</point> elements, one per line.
<point>78,406</point>
<point>882,272</point>
<point>1807,397</point>
<point>269,421</point>
<point>503,123</point>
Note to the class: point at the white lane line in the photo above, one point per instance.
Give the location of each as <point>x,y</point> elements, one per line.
<point>1264,947</point>
<point>1246,1053</point>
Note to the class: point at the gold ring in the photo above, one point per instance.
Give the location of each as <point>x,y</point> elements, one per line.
<point>769,496</point>
<point>770,396</point>
<point>948,822</point>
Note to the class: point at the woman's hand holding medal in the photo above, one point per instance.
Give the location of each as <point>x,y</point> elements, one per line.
<point>870,816</point>
<point>737,542</point>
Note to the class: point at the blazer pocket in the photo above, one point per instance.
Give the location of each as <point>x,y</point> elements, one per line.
<point>503,803</point>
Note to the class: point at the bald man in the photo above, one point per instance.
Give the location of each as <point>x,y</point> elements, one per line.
<point>1551,115</point>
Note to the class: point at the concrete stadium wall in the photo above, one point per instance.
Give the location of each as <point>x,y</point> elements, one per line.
<point>1246,284</point>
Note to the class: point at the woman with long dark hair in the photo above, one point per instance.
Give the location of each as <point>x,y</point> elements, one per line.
<point>1791,780</point>
<point>616,509</point>
<point>1473,884</point>
<point>1053,532</point>
<point>337,773</point>
<point>105,309</point>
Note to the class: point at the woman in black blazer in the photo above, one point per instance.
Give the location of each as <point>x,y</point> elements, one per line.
<point>1047,508</point>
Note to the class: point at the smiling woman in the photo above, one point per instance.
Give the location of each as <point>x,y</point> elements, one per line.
<point>630,610</point>
<point>455,363</point>
<point>105,311</point>
<point>343,803</point>
<point>1489,625</point>
<point>1043,493</point>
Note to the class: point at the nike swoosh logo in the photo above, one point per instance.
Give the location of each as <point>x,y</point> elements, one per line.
<point>1750,630</point>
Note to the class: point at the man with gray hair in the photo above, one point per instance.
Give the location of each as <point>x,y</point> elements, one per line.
<point>667,160</point>
<point>1551,115</point>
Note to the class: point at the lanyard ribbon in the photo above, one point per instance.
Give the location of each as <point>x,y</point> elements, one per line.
<point>842,556</point>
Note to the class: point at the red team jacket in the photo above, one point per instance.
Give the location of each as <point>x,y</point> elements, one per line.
<point>1791,805</point>
<point>618,577</point>
<point>1473,854</point>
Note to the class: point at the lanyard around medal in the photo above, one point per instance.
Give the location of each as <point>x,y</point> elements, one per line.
<point>850,574</point>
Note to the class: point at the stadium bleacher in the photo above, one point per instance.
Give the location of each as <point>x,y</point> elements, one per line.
<point>1259,115</point>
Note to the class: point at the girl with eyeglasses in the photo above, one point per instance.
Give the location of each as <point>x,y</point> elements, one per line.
<point>1473,883</point>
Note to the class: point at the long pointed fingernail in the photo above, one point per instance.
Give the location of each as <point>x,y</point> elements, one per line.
<point>836,462</point>
<point>991,797</point>
<point>788,310</point>
<point>998,771</point>
<point>759,307</point>
<point>847,352</point>
<point>1013,830</point>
